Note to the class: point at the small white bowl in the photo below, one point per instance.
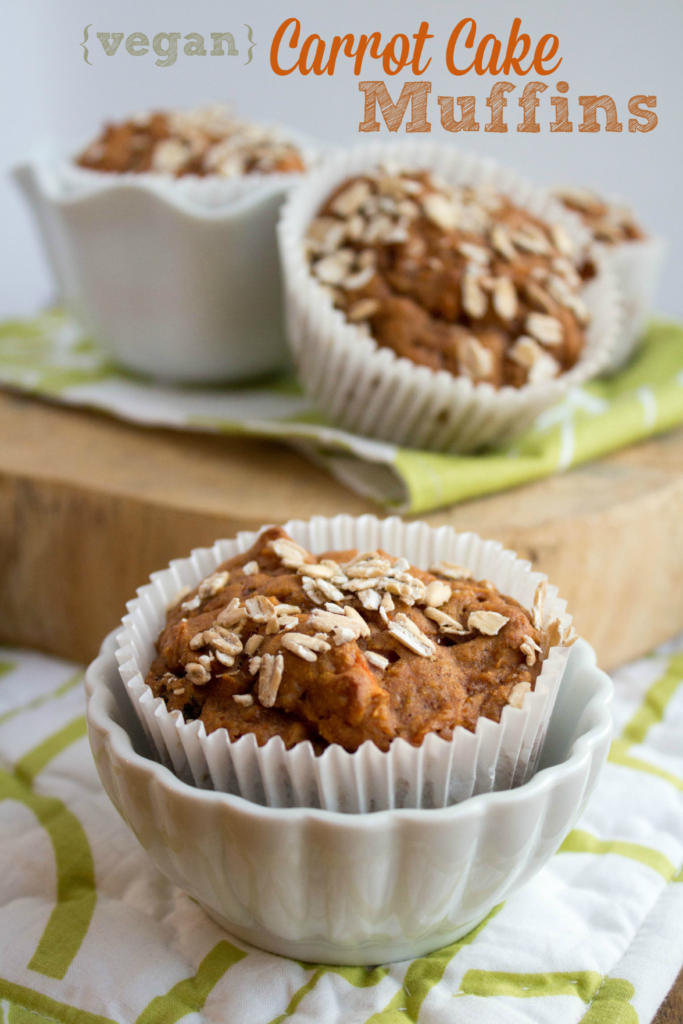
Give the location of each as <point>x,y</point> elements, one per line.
<point>326,887</point>
<point>178,278</point>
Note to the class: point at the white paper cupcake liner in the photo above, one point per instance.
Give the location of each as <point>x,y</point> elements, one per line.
<point>438,773</point>
<point>370,390</point>
<point>637,266</point>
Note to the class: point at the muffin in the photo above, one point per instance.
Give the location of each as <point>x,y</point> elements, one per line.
<point>433,299</point>
<point>204,141</point>
<point>453,277</point>
<point>608,222</point>
<point>636,256</point>
<point>348,679</point>
<point>345,647</point>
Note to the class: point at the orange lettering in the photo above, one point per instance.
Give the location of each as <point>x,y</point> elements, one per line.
<point>275,45</point>
<point>374,40</point>
<point>492,63</point>
<point>452,42</point>
<point>316,66</point>
<point>511,61</point>
<point>540,58</point>
<point>389,54</point>
<point>420,37</point>
<point>337,43</point>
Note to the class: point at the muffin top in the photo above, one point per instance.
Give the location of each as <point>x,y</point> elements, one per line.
<point>205,141</point>
<point>610,223</point>
<point>345,647</point>
<point>451,277</point>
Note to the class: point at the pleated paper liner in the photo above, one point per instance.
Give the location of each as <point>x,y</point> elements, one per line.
<point>637,266</point>
<point>438,773</point>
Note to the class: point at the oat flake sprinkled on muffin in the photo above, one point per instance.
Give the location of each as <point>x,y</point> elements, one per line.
<point>610,223</point>
<point>205,141</point>
<point>451,277</point>
<point>345,647</point>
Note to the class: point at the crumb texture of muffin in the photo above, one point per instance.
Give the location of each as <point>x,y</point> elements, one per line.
<point>451,277</point>
<point>345,647</point>
<point>610,223</point>
<point>204,141</point>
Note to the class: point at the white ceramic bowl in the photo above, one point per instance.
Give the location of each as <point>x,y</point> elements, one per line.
<point>179,279</point>
<point>326,887</point>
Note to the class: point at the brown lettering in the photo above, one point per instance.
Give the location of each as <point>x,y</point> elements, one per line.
<point>635,105</point>
<point>466,122</point>
<point>414,93</point>
<point>590,106</point>
<point>561,122</point>
<point>497,102</point>
<point>529,101</point>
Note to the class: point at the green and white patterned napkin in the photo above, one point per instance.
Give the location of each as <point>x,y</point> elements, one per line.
<point>92,933</point>
<point>48,355</point>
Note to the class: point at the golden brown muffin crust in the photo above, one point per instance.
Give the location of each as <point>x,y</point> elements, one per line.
<point>199,142</point>
<point>451,278</point>
<point>608,222</point>
<point>369,684</point>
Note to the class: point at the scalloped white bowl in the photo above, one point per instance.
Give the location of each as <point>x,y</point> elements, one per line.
<point>178,279</point>
<point>327,887</point>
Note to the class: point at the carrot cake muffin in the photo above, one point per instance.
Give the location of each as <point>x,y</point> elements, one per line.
<point>345,647</point>
<point>451,277</point>
<point>205,141</point>
<point>610,223</point>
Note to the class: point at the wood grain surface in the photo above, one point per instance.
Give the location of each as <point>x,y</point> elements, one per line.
<point>671,1010</point>
<point>89,506</point>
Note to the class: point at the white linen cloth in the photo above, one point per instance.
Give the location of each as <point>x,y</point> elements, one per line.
<point>91,932</point>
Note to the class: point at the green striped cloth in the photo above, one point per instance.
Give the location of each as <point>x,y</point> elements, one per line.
<point>91,933</point>
<point>49,356</point>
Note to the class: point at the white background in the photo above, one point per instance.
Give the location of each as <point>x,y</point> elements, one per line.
<point>49,95</point>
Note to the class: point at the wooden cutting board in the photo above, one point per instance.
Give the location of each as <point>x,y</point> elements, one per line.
<point>89,506</point>
<point>671,1010</point>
